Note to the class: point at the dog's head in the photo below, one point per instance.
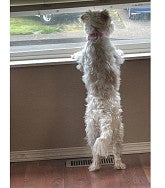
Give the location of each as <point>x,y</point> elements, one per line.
<point>97,21</point>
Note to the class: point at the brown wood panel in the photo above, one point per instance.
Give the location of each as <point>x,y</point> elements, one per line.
<point>134,174</point>
<point>17,175</point>
<point>54,174</point>
<point>48,106</point>
<point>77,178</point>
<point>145,161</point>
<point>45,174</point>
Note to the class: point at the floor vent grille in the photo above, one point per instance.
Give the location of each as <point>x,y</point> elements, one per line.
<point>87,161</point>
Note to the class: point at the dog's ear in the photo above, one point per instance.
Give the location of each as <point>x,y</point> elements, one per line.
<point>105,15</point>
<point>85,16</point>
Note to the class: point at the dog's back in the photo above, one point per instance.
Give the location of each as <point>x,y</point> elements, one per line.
<point>101,69</point>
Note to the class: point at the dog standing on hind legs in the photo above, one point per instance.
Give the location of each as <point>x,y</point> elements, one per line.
<point>100,63</point>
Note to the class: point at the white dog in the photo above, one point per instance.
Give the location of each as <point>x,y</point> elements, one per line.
<point>100,63</point>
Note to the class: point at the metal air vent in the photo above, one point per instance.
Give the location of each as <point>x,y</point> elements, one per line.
<point>87,161</point>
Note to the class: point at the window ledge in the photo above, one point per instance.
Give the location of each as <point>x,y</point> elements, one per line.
<point>65,61</point>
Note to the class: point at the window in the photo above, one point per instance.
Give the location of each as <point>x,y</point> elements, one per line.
<point>57,33</point>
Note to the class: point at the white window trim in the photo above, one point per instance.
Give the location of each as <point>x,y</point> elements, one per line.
<point>66,61</point>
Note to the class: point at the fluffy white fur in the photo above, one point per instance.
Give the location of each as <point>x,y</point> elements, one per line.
<point>100,63</point>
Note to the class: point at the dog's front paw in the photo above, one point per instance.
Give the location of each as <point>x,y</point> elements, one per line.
<point>79,67</point>
<point>119,165</point>
<point>72,56</point>
<point>94,167</point>
<point>77,56</point>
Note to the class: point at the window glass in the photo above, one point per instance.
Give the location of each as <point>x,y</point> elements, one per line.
<point>56,29</point>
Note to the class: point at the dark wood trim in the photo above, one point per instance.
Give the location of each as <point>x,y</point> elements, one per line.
<point>47,6</point>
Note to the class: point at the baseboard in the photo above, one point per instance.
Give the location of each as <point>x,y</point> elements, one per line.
<point>73,152</point>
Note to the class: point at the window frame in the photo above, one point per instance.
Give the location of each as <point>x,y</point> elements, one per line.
<point>134,48</point>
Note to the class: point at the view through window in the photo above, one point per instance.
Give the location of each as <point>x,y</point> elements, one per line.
<point>55,29</point>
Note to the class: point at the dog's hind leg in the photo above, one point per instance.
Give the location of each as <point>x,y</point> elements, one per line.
<point>118,164</point>
<point>117,145</point>
<point>92,133</point>
<point>95,163</point>
<point>92,128</point>
<point>100,147</point>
